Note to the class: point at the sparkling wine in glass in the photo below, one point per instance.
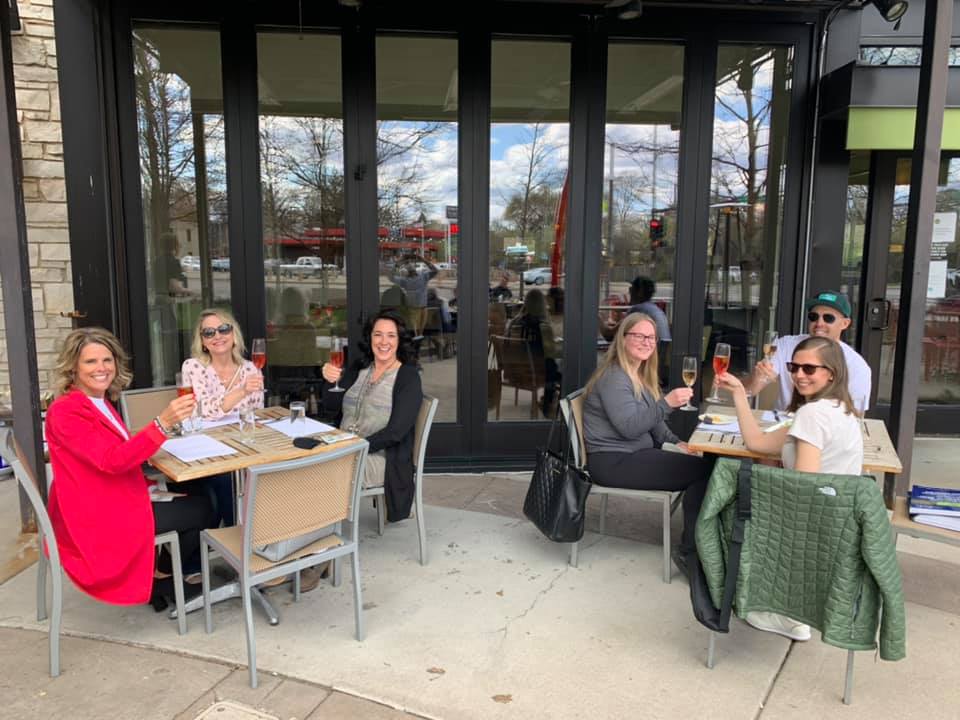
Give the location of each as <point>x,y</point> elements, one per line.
<point>721,361</point>
<point>258,353</point>
<point>689,375</point>
<point>769,345</point>
<point>184,388</point>
<point>337,346</point>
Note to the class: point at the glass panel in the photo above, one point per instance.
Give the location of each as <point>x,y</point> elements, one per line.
<point>182,184</point>
<point>858,192</point>
<point>644,108</point>
<point>301,188</point>
<point>529,146</point>
<point>900,55</point>
<point>750,134</point>
<point>417,135</point>
<point>940,371</point>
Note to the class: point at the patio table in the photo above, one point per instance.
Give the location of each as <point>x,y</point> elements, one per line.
<point>269,446</point>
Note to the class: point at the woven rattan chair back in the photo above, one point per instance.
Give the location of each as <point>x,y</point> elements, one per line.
<point>139,407</point>
<point>291,502</point>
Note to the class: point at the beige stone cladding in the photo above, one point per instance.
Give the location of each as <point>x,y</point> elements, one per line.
<point>44,193</point>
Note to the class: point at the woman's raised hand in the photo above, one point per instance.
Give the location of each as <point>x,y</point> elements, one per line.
<point>253,384</point>
<point>178,410</point>
<point>732,383</point>
<point>678,396</point>
<point>331,373</point>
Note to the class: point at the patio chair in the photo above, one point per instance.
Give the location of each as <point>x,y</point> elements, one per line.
<point>13,456</point>
<point>285,500</point>
<point>428,408</point>
<point>139,407</point>
<point>522,368</point>
<point>572,408</point>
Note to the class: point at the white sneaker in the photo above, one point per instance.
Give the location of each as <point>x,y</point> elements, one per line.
<point>780,624</point>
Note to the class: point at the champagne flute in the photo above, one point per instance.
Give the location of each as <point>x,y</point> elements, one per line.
<point>336,358</point>
<point>184,388</point>
<point>258,356</point>
<point>769,345</point>
<point>689,378</point>
<point>721,361</point>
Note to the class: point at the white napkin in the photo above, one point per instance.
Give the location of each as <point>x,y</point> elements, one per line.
<point>196,447</point>
<point>228,419</point>
<point>300,428</point>
<point>733,427</point>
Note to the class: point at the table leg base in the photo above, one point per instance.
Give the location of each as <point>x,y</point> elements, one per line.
<point>225,592</point>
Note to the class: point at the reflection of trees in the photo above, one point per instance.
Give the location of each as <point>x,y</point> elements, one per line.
<point>402,194</point>
<point>531,202</point>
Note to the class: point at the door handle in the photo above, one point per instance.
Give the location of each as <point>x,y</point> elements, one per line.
<point>73,314</point>
<point>878,314</point>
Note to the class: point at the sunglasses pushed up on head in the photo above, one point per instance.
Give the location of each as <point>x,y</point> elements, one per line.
<point>209,332</point>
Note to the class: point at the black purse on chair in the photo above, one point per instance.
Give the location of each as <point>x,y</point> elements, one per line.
<point>557,498</point>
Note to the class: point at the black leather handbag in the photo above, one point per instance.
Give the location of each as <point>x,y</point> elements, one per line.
<point>557,498</point>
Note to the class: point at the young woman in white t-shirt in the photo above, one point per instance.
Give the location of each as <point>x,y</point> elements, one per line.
<point>824,436</point>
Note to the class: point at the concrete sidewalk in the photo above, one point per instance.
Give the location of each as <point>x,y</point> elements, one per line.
<point>496,626</point>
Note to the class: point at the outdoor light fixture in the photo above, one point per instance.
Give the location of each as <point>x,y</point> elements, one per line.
<point>891,10</point>
<point>631,10</point>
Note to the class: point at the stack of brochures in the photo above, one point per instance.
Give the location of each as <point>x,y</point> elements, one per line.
<point>939,507</point>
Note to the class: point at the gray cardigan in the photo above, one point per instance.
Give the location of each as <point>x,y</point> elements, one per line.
<point>615,420</point>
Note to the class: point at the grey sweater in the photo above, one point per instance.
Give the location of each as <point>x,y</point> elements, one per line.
<point>615,420</point>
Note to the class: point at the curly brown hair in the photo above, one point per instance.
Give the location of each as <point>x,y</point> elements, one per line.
<point>65,371</point>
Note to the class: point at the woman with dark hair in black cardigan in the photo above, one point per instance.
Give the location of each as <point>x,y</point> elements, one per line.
<point>381,403</point>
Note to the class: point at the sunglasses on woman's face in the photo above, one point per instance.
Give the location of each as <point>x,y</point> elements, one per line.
<point>808,368</point>
<point>828,318</point>
<point>209,332</point>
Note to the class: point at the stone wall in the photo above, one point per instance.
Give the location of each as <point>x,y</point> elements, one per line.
<point>38,112</point>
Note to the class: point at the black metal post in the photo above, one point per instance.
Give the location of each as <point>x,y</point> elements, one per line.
<point>931,98</point>
<point>15,278</point>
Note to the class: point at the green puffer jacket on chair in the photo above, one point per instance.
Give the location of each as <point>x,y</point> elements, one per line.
<point>818,549</point>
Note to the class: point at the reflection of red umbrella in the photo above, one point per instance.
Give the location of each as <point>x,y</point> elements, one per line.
<point>559,232</point>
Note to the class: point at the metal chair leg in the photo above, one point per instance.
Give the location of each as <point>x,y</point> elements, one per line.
<point>603,514</point>
<point>711,648</point>
<point>574,554</point>
<point>666,540</point>
<point>251,641</point>
<point>421,526</point>
<point>205,580</point>
<point>42,566</point>
<point>848,682</point>
<point>56,613</point>
<point>380,502</point>
<point>357,600</point>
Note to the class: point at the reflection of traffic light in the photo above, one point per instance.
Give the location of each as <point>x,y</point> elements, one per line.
<point>656,232</point>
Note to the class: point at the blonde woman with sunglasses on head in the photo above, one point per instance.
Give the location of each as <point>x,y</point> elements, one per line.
<point>824,437</point>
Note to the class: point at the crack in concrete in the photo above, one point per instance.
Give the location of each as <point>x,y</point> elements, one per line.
<point>540,594</point>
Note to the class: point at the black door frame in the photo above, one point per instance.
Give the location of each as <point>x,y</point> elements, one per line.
<point>472,441</point>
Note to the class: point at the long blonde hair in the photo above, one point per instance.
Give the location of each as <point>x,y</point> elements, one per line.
<point>65,371</point>
<point>199,352</point>
<point>644,376</point>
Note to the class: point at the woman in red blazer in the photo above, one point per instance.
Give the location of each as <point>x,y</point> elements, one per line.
<point>99,502</point>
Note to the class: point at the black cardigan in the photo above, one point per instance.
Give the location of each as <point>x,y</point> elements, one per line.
<point>396,439</point>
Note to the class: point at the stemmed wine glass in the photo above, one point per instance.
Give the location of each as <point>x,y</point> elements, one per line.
<point>185,387</point>
<point>337,345</point>
<point>258,355</point>
<point>721,361</point>
<point>769,345</point>
<point>689,378</point>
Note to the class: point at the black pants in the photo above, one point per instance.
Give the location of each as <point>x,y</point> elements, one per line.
<point>188,516</point>
<point>658,470</point>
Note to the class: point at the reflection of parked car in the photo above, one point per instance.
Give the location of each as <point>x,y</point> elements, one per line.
<point>221,264</point>
<point>307,266</point>
<point>190,262</point>
<point>537,276</point>
<point>953,277</point>
<point>271,266</point>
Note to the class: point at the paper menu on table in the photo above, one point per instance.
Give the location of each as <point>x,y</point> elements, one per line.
<point>299,428</point>
<point>732,427</point>
<point>196,447</point>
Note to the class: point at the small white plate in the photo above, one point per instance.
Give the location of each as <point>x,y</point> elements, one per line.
<point>717,419</point>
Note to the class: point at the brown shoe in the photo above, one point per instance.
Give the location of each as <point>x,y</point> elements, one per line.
<point>310,577</point>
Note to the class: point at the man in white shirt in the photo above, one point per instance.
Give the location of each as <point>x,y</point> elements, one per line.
<point>828,315</point>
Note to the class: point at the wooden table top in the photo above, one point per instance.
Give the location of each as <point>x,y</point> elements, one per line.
<point>269,446</point>
<point>879,454</point>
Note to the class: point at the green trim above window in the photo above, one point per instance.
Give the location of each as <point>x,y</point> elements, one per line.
<point>883,128</point>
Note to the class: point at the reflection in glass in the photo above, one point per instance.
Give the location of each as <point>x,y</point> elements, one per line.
<point>182,183</point>
<point>301,188</point>
<point>640,187</point>
<point>529,140</point>
<point>417,136</point>
<point>751,118</point>
<point>940,362</point>
<point>854,233</point>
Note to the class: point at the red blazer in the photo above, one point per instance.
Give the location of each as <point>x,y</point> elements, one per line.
<point>99,504</point>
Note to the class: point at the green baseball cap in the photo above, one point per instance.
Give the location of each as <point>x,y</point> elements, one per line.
<point>836,300</point>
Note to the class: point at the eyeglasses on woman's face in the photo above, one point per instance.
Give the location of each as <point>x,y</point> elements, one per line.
<point>807,368</point>
<point>640,338</point>
<point>210,332</point>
